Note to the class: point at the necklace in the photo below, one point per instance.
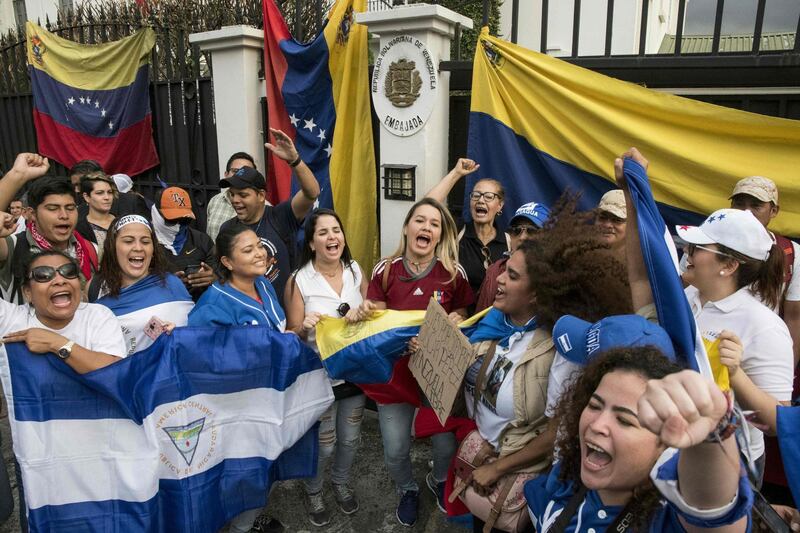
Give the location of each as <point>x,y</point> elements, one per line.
<point>331,274</point>
<point>418,265</point>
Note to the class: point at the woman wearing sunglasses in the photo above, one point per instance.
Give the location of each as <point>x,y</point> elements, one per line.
<point>732,267</point>
<point>54,321</point>
<point>480,242</point>
<point>329,282</point>
<point>134,283</point>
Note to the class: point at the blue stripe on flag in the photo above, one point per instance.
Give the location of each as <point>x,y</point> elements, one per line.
<point>108,112</point>
<point>370,360</point>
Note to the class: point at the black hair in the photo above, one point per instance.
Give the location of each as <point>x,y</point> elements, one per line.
<point>224,247</point>
<point>85,166</point>
<point>239,155</point>
<point>310,226</point>
<point>31,258</point>
<point>45,186</point>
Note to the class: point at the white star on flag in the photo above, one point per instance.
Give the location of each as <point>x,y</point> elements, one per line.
<point>83,100</point>
<point>71,100</point>
<point>294,120</point>
<point>111,125</point>
<point>309,125</point>
<point>89,101</point>
<point>103,113</point>
<point>97,104</point>
<point>328,150</point>
<point>321,135</point>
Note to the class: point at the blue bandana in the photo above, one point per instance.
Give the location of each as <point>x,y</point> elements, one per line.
<point>497,326</point>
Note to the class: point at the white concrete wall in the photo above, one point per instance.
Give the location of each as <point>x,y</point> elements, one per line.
<point>625,36</point>
<point>6,16</point>
<point>41,9</point>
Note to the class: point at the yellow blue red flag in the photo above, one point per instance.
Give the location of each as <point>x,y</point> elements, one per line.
<point>318,93</point>
<point>541,125</point>
<point>93,101</point>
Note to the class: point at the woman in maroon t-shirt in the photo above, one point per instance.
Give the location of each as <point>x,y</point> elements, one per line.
<point>425,265</point>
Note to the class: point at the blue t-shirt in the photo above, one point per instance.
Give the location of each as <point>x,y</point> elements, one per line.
<point>222,305</point>
<point>547,496</point>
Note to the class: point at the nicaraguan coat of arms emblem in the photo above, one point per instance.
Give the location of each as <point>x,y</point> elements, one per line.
<point>402,83</point>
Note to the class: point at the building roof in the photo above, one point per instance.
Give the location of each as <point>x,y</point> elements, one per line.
<point>701,44</point>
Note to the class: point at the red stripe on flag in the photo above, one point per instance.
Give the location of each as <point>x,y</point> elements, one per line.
<point>131,152</point>
<point>401,388</point>
<point>279,174</point>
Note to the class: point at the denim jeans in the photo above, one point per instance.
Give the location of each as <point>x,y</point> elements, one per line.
<point>395,421</point>
<point>339,436</point>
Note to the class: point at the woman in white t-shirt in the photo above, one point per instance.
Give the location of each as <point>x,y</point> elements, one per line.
<point>329,282</point>
<point>732,267</point>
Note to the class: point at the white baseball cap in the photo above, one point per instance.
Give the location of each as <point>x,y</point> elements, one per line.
<point>123,181</point>
<point>733,228</point>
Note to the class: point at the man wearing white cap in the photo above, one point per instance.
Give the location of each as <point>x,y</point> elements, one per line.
<point>759,195</point>
<point>611,214</point>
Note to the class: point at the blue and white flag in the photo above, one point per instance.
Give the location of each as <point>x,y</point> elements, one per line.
<point>789,442</point>
<point>167,300</point>
<point>660,258</point>
<point>181,437</point>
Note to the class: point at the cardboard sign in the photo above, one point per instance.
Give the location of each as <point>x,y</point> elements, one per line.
<point>444,356</point>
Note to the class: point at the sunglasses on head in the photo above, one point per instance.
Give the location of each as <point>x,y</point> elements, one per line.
<point>43,274</point>
<point>343,309</point>
<point>516,231</point>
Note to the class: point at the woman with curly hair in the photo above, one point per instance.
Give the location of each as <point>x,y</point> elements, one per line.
<point>564,269</point>
<point>613,469</point>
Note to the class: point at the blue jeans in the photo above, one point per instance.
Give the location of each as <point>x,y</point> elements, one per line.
<point>339,436</point>
<point>395,421</point>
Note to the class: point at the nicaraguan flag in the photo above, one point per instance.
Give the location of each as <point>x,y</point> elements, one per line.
<point>167,299</point>
<point>660,259</point>
<point>180,437</point>
<point>541,125</point>
<point>789,442</point>
<point>318,93</point>
<point>92,101</point>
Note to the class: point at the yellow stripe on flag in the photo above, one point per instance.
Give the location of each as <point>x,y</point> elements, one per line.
<point>352,164</point>
<point>91,67</point>
<point>697,151</point>
<point>720,371</point>
<point>334,334</point>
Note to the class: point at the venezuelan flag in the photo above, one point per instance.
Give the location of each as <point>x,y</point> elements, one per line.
<point>318,93</point>
<point>93,101</point>
<point>541,125</point>
<point>372,353</point>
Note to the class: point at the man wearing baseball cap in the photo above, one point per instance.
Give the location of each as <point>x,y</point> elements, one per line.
<point>528,219</point>
<point>277,225</point>
<point>610,216</point>
<point>189,252</point>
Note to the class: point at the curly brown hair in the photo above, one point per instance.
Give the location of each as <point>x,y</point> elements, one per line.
<point>646,361</point>
<point>110,273</point>
<point>571,271</point>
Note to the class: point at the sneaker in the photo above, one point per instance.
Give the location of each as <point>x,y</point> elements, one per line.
<point>407,508</point>
<point>345,498</point>
<point>267,524</point>
<point>437,488</point>
<point>317,514</point>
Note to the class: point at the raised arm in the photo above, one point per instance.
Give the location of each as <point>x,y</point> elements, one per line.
<point>462,168</point>
<point>641,294</point>
<point>26,167</point>
<point>304,199</point>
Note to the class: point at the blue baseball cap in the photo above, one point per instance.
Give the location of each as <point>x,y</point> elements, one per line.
<point>580,341</point>
<point>533,211</point>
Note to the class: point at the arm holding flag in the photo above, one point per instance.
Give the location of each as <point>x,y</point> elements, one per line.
<point>43,341</point>
<point>304,199</point>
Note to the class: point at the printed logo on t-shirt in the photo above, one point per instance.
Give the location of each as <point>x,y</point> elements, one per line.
<point>272,262</point>
<point>418,292</point>
<point>499,372</point>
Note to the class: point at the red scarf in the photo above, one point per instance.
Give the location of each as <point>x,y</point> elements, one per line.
<point>84,251</point>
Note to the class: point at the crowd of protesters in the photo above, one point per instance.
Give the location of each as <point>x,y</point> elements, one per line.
<point>578,410</point>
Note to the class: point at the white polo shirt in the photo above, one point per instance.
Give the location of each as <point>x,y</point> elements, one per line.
<point>767,359</point>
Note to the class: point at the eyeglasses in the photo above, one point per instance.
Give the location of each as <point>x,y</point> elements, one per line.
<point>690,249</point>
<point>516,231</point>
<point>343,309</point>
<point>488,196</point>
<point>43,274</point>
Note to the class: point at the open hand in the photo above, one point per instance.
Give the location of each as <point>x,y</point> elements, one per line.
<point>283,147</point>
<point>37,340</point>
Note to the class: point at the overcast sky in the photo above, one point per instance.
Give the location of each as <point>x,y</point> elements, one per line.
<point>740,15</point>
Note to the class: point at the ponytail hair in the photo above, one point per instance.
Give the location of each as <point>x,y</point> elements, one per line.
<point>765,277</point>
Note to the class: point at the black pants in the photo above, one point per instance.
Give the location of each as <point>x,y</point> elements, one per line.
<point>477,526</point>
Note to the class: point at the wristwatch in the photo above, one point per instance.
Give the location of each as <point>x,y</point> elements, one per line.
<point>65,351</point>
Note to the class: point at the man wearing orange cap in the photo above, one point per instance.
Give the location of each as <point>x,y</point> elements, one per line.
<point>189,252</point>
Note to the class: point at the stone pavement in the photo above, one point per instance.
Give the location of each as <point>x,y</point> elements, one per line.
<point>370,480</point>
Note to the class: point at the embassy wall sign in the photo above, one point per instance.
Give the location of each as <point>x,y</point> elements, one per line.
<point>404,84</point>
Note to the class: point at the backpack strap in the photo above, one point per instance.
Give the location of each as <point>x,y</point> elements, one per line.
<point>385,277</point>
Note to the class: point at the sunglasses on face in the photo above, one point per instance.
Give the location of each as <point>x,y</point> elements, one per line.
<point>43,274</point>
<point>343,309</point>
<point>516,231</point>
<point>488,196</point>
<point>691,248</point>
